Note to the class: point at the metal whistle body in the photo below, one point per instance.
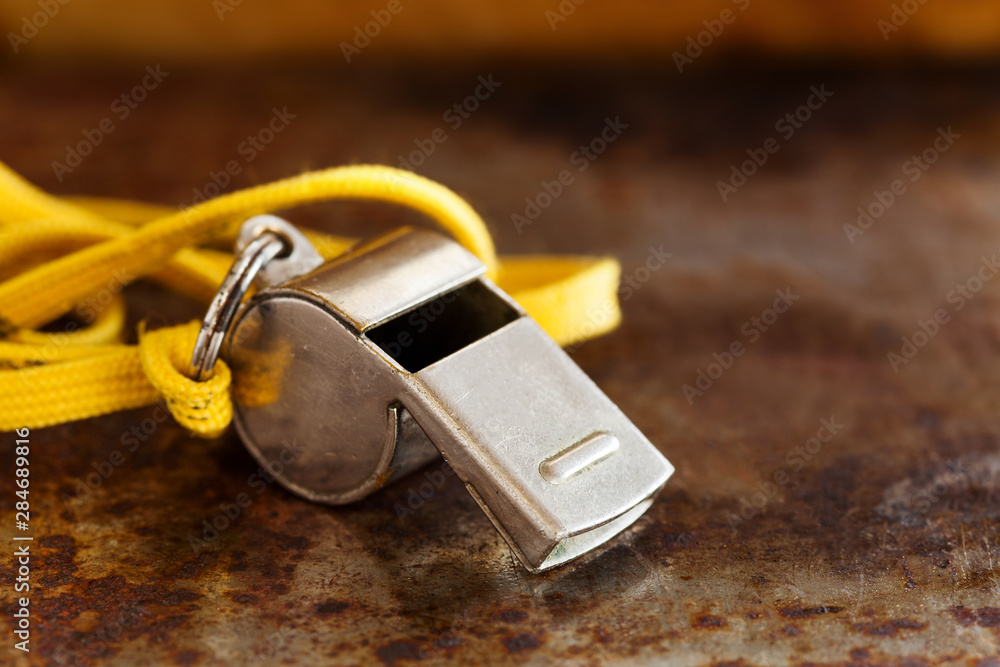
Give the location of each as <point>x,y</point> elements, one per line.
<point>376,361</point>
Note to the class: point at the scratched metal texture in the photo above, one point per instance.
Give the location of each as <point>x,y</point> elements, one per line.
<point>876,547</point>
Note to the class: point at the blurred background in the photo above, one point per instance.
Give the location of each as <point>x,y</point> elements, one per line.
<point>844,154</point>
<point>208,30</point>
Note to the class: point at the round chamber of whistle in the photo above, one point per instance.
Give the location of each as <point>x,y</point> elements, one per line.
<point>313,406</point>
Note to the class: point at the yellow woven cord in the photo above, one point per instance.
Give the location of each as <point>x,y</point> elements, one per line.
<point>201,407</point>
<point>73,256</point>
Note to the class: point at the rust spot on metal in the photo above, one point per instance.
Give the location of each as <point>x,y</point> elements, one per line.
<point>238,562</point>
<point>521,643</point>
<point>383,555</point>
<point>195,567</point>
<point>808,612</point>
<point>708,621</point>
<point>679,539</point>
<point>511,616</point>
<point>187,657</point>
<point>331,608</point>
<point>984,617</point>
<point>400,650</point>
<point>910,584</point>
<point>888,628</point>
<point>59,553</point>
<point>121,508</point>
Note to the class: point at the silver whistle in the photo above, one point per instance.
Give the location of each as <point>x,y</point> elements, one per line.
<point>402,349</point>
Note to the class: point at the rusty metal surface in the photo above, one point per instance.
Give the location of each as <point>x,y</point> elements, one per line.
<point>875,546</point>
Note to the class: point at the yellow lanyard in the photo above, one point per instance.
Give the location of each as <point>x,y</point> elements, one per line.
<point>62,256</point>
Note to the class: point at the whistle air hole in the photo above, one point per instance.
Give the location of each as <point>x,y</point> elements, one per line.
<point>430,332</point>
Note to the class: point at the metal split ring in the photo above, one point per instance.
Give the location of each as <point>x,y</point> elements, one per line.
<point>269,251</point>
<point>219,317</point>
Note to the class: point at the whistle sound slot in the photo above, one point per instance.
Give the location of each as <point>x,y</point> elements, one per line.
<point>430,332</point>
